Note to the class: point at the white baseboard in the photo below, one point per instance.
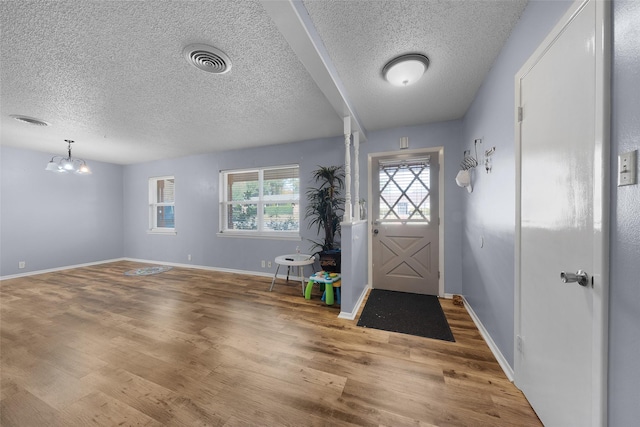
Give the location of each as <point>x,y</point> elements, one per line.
<point>66,267</point>
<point>343,315</point>
<point>352,314</point>
<point>148,261</point>
<point>221,269</point>
<point>502,361</point>
<point>206,267</point>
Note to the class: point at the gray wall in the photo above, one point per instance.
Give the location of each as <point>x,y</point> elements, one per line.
<point>448,135</point>
<point>197,204</point>
<point>624,311</point>
<point>50,220</point>
<point>489,212</point>
<point>354,270</point>
<point>53,221</point>
<point>105,215</point>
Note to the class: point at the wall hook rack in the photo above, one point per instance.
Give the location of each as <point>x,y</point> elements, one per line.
<point>487,159</point>
<point>469,161</point>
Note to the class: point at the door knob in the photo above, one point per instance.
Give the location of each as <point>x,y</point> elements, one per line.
<point>375,231</point>
<point>581,277</point>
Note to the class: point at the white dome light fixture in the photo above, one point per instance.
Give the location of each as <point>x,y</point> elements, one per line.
<point>405,69</point>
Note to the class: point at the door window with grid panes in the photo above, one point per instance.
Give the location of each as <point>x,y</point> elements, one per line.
<point>404,191</point>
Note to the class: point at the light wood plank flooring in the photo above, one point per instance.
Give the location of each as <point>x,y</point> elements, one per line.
<point>190,347</point>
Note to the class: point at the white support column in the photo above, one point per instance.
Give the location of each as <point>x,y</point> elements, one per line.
<point>356,174</point>
<point>347,170</point>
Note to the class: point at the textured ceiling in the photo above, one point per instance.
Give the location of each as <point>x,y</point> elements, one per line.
<point>461,38</point>
<point>111,75</point>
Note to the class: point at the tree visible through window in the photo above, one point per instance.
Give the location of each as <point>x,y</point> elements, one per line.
<point>264,200</point>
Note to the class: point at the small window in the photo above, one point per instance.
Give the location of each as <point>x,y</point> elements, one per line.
<point>162,194</point>
<point>261,202</point>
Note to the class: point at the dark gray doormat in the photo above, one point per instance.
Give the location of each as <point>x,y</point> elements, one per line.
<point>412,314</point>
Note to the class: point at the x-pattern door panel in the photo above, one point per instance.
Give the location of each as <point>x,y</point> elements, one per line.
<point>405,227</point>
<point>404,257</point>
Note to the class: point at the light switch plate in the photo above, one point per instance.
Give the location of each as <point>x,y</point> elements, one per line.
<point>628,168</point>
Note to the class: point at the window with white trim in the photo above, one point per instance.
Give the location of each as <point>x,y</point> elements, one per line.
<point>162,196</point>
<point>260,201</point>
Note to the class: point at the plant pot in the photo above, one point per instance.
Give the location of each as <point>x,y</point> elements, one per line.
<point>330,260</point>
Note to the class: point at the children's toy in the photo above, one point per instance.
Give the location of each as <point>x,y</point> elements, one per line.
<point>330,281</point>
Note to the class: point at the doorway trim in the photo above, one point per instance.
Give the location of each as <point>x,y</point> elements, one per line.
<point>601,188</point>
<point>439,150</point>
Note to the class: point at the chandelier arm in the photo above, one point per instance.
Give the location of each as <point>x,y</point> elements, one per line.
<point>68,164</point>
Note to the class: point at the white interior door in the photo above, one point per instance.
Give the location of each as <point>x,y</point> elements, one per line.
<point>560,326</point>
<point>405,212</point>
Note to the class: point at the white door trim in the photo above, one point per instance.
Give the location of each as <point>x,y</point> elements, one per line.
<point>601,196</point>
<point>419,151</point>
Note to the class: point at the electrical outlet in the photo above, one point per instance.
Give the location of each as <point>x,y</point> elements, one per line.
<point>189,257</point>
<point>263,263</point>
<point>22,264</point>
<point>520,344</point>
<point>269,264</point>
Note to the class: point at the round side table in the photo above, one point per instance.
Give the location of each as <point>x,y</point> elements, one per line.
<point>293,260</point>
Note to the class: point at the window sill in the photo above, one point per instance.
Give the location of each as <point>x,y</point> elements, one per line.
<point>171,232</point>
<point>250,235</point>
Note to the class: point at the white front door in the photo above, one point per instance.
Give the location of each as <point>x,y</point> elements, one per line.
<point>560,346</point>
<point>405,229</point>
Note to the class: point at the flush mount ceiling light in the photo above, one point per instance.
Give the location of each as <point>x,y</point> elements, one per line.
<point>67,164</point>
<point>405,69</point>
<point>29,120</point>
<point>207,58</point>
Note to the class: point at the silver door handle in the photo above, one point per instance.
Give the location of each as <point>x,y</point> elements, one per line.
<point>581,277</point>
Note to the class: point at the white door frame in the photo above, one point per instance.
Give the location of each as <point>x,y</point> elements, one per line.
<point>601,197</point>
<point>419,151</point>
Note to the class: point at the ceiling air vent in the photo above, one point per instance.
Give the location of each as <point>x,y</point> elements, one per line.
<point>29,120</point>
<point>207,58</point>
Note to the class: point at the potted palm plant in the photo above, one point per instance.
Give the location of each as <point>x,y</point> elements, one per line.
<point>325,208</point>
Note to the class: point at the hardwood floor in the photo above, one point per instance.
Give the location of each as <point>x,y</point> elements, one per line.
<point>190,347</point>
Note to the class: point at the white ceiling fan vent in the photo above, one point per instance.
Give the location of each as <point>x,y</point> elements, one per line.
<point>207,58</point>
<point>30,120</point>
